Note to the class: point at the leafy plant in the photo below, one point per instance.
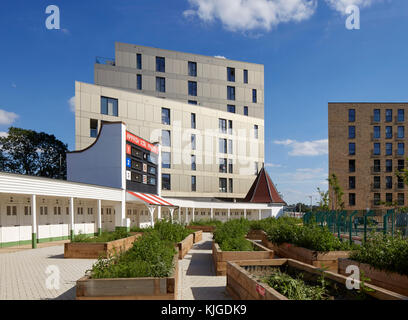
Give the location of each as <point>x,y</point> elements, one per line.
<point>231,235</point>
<point>337,193</point>
<point>206,222</point>
<point>104,237</point>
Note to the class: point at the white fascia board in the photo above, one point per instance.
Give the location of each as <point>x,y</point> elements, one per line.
<point>220,205</point>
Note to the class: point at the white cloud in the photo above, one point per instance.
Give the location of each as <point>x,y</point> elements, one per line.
<point>245,15</point>
<point>306,148</point>
<point>3,134</point>
<point>220,57</point>
<point>7,118</point>
<point>71,103</point>
<point>273,165</point>
<point>341,5</point>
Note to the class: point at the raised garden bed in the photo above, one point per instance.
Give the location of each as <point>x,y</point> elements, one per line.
<point>202,228</point>
<point>185,245</point>
<point>221,258</point>
<point>94,250</point>
<point>325,260</point>
<point>257,235</point>
<point>198,236</point>
<point>146,288</point>
<point>247,280</point>
<point>385,279</point>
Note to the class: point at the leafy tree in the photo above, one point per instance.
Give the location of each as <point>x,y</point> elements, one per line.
<point>324,199</point>
<point>337,193</point>
<point>32,153</point>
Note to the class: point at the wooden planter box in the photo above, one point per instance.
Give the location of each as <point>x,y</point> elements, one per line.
<point>242,284</point>
<point>327,260</point>
<point>185,245</point>
<point>94,250</point>
<point>221,258</point>
<point>129,288</point>
<point>257,235</point>
<point>198,236</point>
<point>388,280</point>
<point>202,228</point>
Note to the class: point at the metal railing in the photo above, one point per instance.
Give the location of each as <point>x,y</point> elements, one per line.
<point>106,61</point>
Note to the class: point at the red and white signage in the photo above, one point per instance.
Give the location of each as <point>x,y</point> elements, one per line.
<point>141,143</point>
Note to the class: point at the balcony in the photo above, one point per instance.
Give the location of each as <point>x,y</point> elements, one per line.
<point>105,61</point>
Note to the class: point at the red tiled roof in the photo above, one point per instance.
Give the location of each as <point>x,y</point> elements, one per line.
<point>263,190</point>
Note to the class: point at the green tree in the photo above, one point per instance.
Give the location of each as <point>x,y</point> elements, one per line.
<point>32,153</point>
<point>324,200</point>
<point>336,199</point>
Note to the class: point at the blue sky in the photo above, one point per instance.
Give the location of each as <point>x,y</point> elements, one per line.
<point>310,59</point>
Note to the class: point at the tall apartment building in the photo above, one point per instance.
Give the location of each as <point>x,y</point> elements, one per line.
<point>210,122</point>
<point>216,83</point>
<point>367,144</point>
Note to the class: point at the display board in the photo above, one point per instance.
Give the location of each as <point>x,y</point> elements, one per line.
<point>141,165</point>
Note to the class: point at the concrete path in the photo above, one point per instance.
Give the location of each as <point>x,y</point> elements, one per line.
<point>28,246</point>
<point>23,275</point>
<point>198,280</point>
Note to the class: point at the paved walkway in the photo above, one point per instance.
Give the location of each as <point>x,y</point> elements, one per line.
<point>23,274</point>
<point>198,280</point>
<point>28,246</point>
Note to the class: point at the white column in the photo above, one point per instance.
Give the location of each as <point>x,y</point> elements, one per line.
<point>229,214</point>
<point>159,178</point>
<point>99,215</point>
<point>212,213</point>
<point>244,213</point>
<point>271,213</point>
<point>260,214</point>
<point>71,217</point>
<point>179,214</point>
<point>120,210</point>
<point>186,215</point>
<point>151,212</point>
<point>33,221</point>
<point>193,214</point>
<point>171,214</point>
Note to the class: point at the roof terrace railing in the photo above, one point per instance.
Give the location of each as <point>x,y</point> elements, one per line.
<point>106,61</point>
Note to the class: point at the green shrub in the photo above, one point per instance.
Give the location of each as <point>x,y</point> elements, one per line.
<point>231,235</point>
<point>173,232</point>
<point>384,253</point>
<point>206,222</point>
<point>104,237</point>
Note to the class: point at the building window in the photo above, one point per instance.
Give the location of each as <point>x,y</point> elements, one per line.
<point>165,116</point>
<point>193,163</point>
<point>377,149</point>
<point>229,126</point>
<point>377,166</point>
<point>352,182</point>
<point>377,115</point>
<point>192,88</point>
<point>230,149</point>
<point>245,76</point>
<point>352,149</point>
<point>377,182</point>
<point>388,182</point>
<point>166,138</point>
<point>401,132</point>
<point>254,97</point>
<point>401,115</point>
<point>192,102</point>
<point>352,165</point>
<point>192,69</point>
<point>377,199</point>
<point>223,185</point>
<point>166,160</point>
<point>388,149</point>
<point>401,165</point>
<point>231,108</point>
<point>388,132</point>
<point>352,199</point>
<point>193,142</point>
<point>388,165</point>
<point>160,84</point>
<point>400,199</point>
<point>388,115</point>
<point>166,181</point>
<point>222,125</point>
<point>94,128</point>
<point>139,61</point>
<point>401,148</point>
<point>256,131</point>
<point>193,183</point>
<point>230,93</point>
<point>139,82</point>
<point>231,186</point>
<point>231,74</point>
<point>352,115</point>
<point>388,197</point>
<point>377,132</point>
<point>245,111</point>
<point>160,64</point>
<point>230,166</point>
<point>256,168</point>
<point>400,183</point>
<point>223,165</point>
<point>193,121</point>
<point>352,132</point>
<point>223,145</point>
<point>109,106</point>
